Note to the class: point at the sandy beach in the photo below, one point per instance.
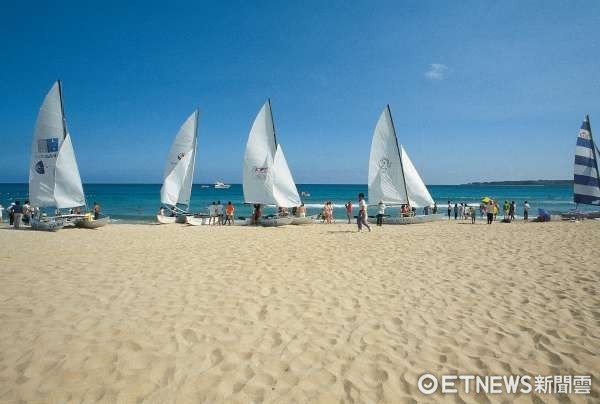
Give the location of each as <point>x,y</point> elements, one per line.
<point>132,313</point>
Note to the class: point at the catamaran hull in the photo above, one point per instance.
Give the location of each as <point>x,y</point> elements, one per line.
<point>197,221</point>
<point>92,224</point>
<point>409,220</point>
<point>181,219</point>
<point>275,221</point>
<point>47,225</point>
<point>576,215</point>
<point>165,219</point>
<point>303,220</point>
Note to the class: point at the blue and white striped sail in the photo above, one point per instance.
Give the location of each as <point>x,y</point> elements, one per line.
<point>586,181</point>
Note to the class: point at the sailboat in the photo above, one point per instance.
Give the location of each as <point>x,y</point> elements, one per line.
<point>267,179</point>
<point>179,172</point>
<point>54,180</point>
<point>586,176</point>
<point>393,178</point>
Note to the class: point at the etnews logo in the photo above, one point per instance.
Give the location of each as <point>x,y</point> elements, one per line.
<point>524,384</point>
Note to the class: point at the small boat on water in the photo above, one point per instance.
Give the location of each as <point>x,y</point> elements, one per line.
<point>176,190</point>
<point>54,180</point>
<point>267,179</point>
<point>393,178</point>
<point>221,185</point>
<point>586,176</point>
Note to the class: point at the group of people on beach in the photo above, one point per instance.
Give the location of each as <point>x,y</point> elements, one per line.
<point>487,208</point>
<point>19,214</point>
<point>220,215</point>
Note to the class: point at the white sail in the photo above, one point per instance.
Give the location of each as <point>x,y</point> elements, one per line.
<point>68,191</point>
<point>418,194</point>
<point>179,171</point>
<point>47,139</point>
<point>284,188</point>
<point>386,181</point>
<point>258,159</point>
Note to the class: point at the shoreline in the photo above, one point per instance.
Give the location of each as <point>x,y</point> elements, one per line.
<point>296,313</point>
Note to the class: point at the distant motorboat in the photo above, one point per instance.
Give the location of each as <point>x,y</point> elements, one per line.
<point>221,185</point>
<point>204,186</point>
<point>305,194</point>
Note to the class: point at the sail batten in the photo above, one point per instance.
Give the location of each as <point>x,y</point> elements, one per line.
<point>586,178</point>
<point>179,170</point>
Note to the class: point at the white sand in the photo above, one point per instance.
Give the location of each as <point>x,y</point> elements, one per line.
<point>297,314</point>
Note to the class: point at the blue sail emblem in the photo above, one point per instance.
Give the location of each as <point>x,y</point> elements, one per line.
<point>39,167</point>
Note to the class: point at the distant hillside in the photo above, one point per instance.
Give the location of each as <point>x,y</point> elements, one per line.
<point>524,182</point>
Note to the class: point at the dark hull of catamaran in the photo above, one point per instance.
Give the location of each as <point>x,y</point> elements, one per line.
<point>578,215</point>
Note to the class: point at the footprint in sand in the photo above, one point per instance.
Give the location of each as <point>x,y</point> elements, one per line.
<point>216,357</point>
<point>190,336</point>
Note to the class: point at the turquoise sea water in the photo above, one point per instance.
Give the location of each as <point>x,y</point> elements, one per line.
<point>140,202</point>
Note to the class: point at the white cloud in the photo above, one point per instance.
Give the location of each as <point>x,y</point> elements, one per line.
<point>437,71</point>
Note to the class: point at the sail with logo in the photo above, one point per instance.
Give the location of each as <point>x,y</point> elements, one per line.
<point>178,177</point>
<point>393,179</point>
<point>267,179</point>
<point>54,180</point>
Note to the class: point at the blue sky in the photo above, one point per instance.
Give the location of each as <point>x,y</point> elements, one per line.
<point>480,90</point>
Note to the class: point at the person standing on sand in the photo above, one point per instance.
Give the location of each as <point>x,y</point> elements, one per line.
<point>1,212</point>
<point>435,208</point>
<point>511,210</point>
<point>380,213</point>
<point>455,211</point>
<point>490,211</point>
<point>449,210</point>
<point>18,212</point>
<point>97,210</point>
<point>229,209</point>
<point>348,207</point>
<point>220,220</point>
<point>526,211</point>
<point>256,214</point>
<point>461,211</point>
<point>473,214</point>
<point>362,213</point>
<point>301,211</point>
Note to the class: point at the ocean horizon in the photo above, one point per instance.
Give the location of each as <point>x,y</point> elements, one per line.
<point>139,203</point>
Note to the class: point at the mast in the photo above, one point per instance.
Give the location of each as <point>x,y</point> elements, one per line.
<point>272,123</point>
<point>399,154</point>
<point>195,145</point>
<point>62,109</point>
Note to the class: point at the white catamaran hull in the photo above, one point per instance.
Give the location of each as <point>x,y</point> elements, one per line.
<point>197,221</point>
<point>303,220</point>
<point>47,224</point>
<point>409,219</point>
<point>92,223</point>
<point>275,221</point>
<point>165,219</point>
